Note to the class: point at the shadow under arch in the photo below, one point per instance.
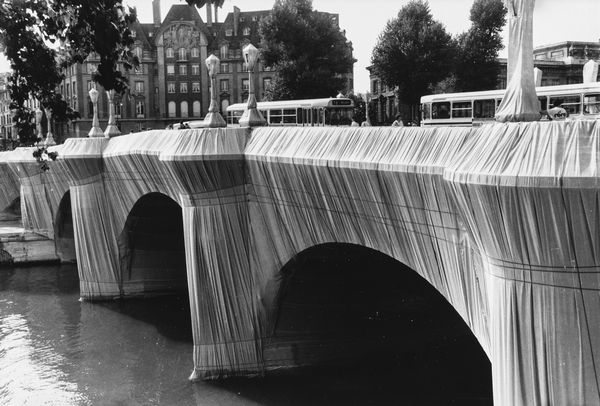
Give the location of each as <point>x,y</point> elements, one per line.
<point>64,233</point>
<point>345,305</point>
<point>152,249</point>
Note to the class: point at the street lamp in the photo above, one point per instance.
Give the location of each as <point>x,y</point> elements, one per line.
<point>251,117</point>
<point>49,138</point>
<point>111,129</point>
<point>39,114</point>
<point>95,131</point>
<point>213,119</point>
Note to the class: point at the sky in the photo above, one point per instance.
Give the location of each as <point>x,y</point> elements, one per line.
<point>554,21</point>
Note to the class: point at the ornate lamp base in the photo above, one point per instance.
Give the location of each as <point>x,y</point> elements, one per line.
<point>96,132</point>
<point>214,120</point>
<point>111,131</point>
<point>252,118</point>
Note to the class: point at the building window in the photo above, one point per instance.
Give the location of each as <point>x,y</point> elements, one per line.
<point>374,87</point>
<point>133,34</point>
<point>138,52</point>
<point>196,108</point>
<point>224,104</point>
<point>246,31</point>
<point>183,69</point>
<point>171,87</point>
<point>91,67</point>
<point>224,68</point>
<point>170,69</point>
<point>182,54</point>
<point>139,87</point>
<point>184,109</point>
<point>245,85</point>
<point>228,32</point>
<point>138,70</point>
<point>266,83</point>
<point>195,87</point>
<point>195,69</point>
<point>254,18</point>
<point>223,50</point>
<point>183,87</point>
<point>195,52</point>
<point>118,108</point>
<point>170,53</point>
<point>172,109</point>
<point>224,85</point>
<point>139,108</point>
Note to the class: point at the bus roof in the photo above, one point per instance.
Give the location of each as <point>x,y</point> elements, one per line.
<point>491,94</point>
<point>282,104</point>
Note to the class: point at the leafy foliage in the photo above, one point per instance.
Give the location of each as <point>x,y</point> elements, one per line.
<point>477,66</point>
<point>307,50</point>
<point>43,37</point>
<point>43,156</point>
<point>413,52</point>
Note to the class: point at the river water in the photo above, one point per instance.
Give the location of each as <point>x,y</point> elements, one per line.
<point>56,350</point>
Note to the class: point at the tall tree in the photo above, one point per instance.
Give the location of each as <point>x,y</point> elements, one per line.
<point>43,37</point>
<point>477,65</point>
<point>308,51</point>
<point>413,52</point>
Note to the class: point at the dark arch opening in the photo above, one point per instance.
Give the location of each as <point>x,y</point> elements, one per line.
<point>64,234</point>
<point>359,311</point>
<point>151,248</point>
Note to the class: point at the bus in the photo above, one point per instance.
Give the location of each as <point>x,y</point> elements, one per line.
<point>310,112</point>
<point>582,101</point>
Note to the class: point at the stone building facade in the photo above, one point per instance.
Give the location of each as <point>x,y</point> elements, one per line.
<point>172,84</point>
<point>560,63</point>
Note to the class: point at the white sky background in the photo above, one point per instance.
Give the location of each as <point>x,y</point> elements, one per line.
<point>364,20</point>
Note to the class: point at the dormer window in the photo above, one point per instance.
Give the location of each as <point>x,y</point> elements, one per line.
<point>246,30</point>
<point>138,52</point>
<point>223,50</point>
<point>228,32</point>
<point>182,54</point>
<point>133,33</point>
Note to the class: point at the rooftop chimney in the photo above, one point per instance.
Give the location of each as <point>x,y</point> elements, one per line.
<point>236,20</point>
<point>156,12</point>
<point>209,17</point>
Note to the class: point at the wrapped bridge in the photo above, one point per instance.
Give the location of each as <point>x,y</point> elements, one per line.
<point>503,220</point>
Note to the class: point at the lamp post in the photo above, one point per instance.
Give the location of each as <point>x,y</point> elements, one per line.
<point>251,117</point>
<point>49,138</point>
<point>95,131</point>
<point>111,129</point>
<point>39,114</point>
<point>213,119</point>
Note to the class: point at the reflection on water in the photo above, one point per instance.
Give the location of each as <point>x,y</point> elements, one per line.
<point>56,350</point>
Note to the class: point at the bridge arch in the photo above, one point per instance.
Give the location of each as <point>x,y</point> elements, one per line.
<point>151,248</point>
<point>64,235</point>
<point>343,304</point>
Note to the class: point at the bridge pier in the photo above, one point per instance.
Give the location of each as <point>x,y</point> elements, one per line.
<point>224,322</point>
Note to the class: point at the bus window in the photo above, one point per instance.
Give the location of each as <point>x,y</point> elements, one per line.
<point>461,109</point>
<point>570,103</point>
<point>440,110</point>
<point>289,116</point>
<point>591,103</point>
<point>543,102</point>
<point>299,116</point>
<point>498,103</point>
<point>275,116</point>
<point>484,108</point>
<point>426,111</point>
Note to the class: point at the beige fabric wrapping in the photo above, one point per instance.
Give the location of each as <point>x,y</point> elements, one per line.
<point>501,219</point>
<point>520,101</point>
